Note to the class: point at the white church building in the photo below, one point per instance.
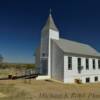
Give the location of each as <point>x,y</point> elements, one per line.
<point>65,60</point>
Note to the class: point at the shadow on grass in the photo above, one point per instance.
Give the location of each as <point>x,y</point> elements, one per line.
<point>48,80</point>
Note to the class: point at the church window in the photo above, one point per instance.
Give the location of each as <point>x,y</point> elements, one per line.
<point>69,63</point>
<point>87,80</point>
<point>93,63</point>
<point>79,65</point>
<point>99,64</point>
<point>79,62</point>
<point>96,78</point>
<point>43,54</point>
<point>87,63</point>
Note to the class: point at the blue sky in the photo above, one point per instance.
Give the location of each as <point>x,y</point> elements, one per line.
<point>21,22</point>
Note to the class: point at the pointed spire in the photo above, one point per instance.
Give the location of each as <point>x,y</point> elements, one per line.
<point>50,23</point>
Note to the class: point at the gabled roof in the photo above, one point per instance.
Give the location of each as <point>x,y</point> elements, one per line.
<point>50,24</point>
<point>68,46</point>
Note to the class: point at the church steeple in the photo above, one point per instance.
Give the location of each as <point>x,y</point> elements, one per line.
<point>50,23</point>
<point>48,33</point>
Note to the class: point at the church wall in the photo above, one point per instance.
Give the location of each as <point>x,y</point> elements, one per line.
<point>52,35</point>
<point>46,37</point>
<point>44,43</point>
<point>57,58</point>
<point>44,52</point>
<point>71,75</point>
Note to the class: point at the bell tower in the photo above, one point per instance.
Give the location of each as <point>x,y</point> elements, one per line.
<point>49,31</point>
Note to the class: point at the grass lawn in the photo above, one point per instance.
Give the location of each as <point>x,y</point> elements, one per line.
<point>47,90</point>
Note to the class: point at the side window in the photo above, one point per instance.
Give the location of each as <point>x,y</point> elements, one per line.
<point>43,54</point>
<point>99,64</point>
<point>96,78</point>
<point>93,63</point>
<point>87,64</point>
<point>79,65</point>
<point>79,62</point>
<point>87,80</point>
<point>69,63</point>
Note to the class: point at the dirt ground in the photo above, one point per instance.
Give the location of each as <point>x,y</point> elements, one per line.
<point>47,90</point>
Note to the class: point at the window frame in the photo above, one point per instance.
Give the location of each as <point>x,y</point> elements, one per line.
<point>79,62</point>
<point>99,63</point>
<point>96,78</point>
<point>87,80</point>
<point>94,63</point>
<point>87,64</point>
<point>69,63</point>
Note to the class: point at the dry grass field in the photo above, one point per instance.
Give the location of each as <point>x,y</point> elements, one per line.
<point>47,90</point>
